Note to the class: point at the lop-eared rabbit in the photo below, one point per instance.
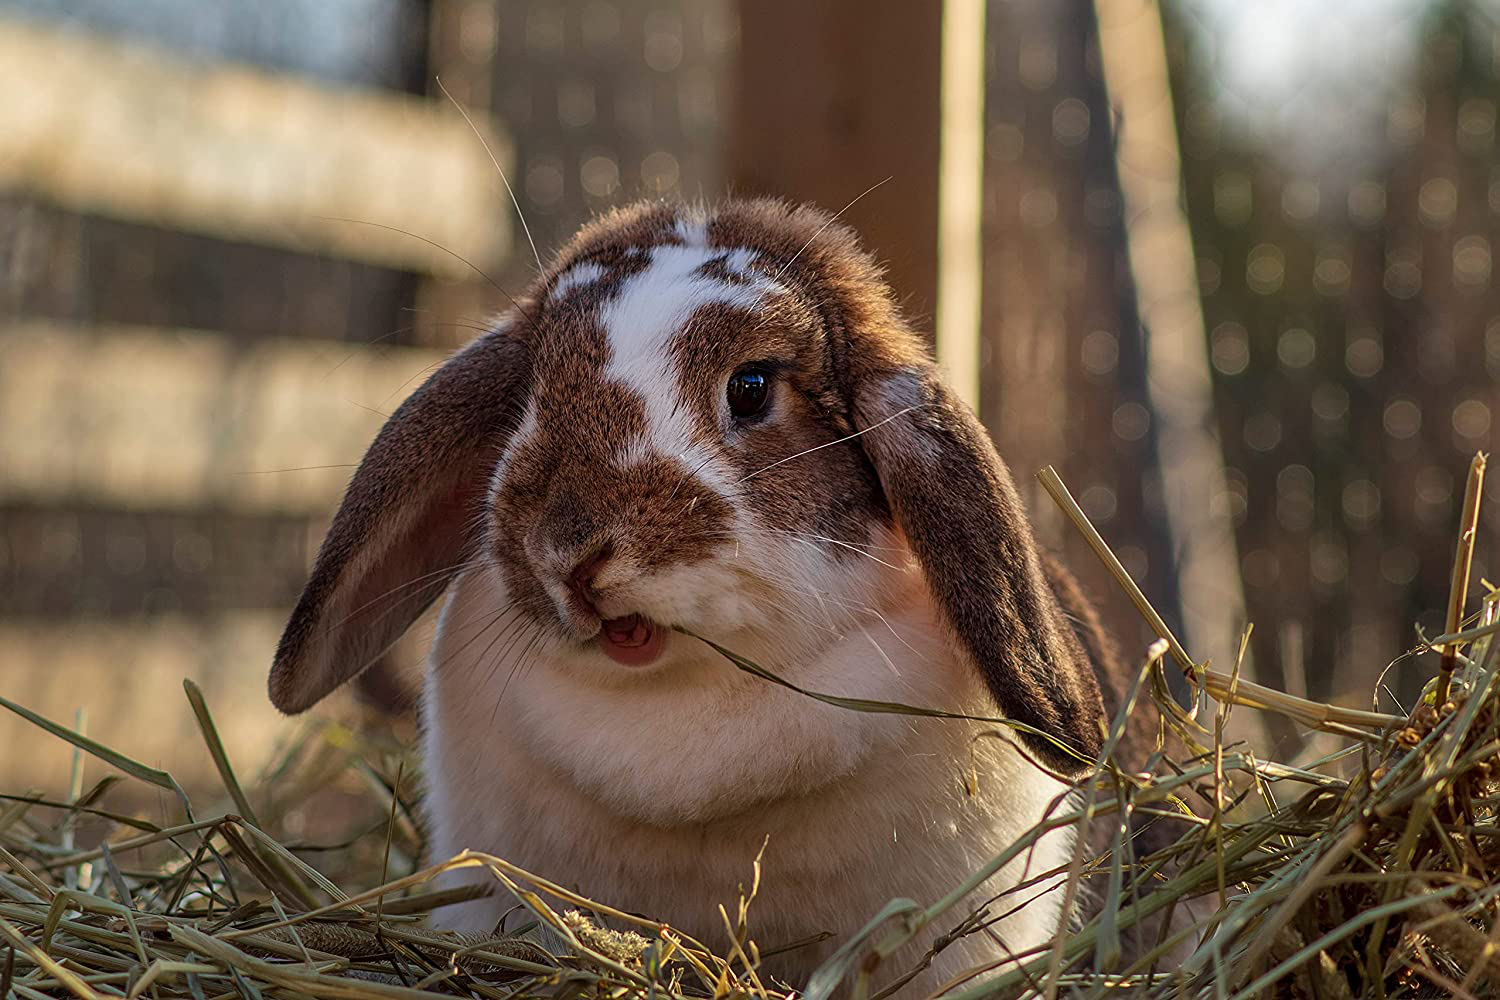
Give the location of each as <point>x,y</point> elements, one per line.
<point>716,422</point>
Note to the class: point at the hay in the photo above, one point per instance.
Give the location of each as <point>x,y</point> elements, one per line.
<point>1369,872</point>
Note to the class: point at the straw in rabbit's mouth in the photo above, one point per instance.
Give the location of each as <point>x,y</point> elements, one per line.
<point>633,640</point>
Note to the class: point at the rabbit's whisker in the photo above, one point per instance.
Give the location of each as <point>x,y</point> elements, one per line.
<point>298,468</point>
<point>503,179</point>
<point>522,662</point>
<point>451,253</point>
<point>881,650</point>
<point>479,633</point>
<point>859,546</point>
<point>461,323</point>
<point>367,344</point>
<point>416,582</point>
<point>437,364</point>
<point>862,548</point>
<point>792,612</point>
<point>510,637</point>
<point>692,473</point>
<point>830,444</point>
<point>815,540</point>
<point>853,606</point>
<point>824,228</point>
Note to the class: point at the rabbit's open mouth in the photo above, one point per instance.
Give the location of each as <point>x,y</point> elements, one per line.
<point>633,640</point>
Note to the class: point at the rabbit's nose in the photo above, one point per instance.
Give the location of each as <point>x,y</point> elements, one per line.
<point>580,578</point>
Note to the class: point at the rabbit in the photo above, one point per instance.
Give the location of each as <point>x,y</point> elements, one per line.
<point>715,423</point>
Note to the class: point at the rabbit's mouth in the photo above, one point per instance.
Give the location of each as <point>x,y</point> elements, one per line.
<point>634,640</point>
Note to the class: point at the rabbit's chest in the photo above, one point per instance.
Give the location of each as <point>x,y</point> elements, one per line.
<point>903,825</point>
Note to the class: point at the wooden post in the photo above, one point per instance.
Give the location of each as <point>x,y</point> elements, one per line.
<point>833,97</point>
<point>961,197</point>
<point>1179,381</point>
<point>1064,376</point>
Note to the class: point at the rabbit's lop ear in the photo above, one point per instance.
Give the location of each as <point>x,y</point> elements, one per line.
<point>954,499</point>
<point>407,522</point>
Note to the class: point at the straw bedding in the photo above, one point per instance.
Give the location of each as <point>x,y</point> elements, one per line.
<point>1369,872</point>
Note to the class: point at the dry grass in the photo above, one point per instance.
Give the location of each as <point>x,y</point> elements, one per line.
<point>1367,873</point>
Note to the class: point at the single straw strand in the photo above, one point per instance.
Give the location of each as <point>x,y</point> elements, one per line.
<point>1053,484</point>
<point>1463,561</point>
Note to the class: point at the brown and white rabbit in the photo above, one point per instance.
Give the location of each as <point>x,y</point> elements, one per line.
<point>716,420</point>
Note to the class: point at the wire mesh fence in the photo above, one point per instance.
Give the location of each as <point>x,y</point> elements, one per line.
<point>1344,210</point>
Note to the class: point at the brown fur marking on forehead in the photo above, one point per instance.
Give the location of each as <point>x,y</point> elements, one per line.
<point>570,398</point>
<point>644,224</point>
<point>618,241</point>
<point>820,256</point>
<point>803,248</point>
<point>616,265</point>
<point>718,269</point>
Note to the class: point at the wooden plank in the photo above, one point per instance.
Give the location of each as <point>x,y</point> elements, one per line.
<point>127,677</point>
<point>1063,381</point>
<point>141,418</point>
<point>88,270</point>
<point>135,133</point>
<point>72,561</point>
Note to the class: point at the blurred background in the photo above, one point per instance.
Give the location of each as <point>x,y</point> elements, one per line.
<point>1226,265</point>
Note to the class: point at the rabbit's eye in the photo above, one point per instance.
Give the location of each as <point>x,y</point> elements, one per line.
<point>747,391</point>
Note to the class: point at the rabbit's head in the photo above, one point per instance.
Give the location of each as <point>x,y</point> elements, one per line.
<point>705,419</point>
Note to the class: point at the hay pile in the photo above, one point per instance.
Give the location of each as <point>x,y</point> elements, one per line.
<point>1370,872</point>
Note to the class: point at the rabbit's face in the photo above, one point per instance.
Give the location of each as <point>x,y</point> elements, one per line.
<point>713,420</point>
<point>679,461</point>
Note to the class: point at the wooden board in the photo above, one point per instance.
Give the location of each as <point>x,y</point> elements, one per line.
<point>142,418</point>
<point>122,130</point>
<point>127,677</point>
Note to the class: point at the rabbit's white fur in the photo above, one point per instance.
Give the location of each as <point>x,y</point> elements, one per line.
<point>663,791</point>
